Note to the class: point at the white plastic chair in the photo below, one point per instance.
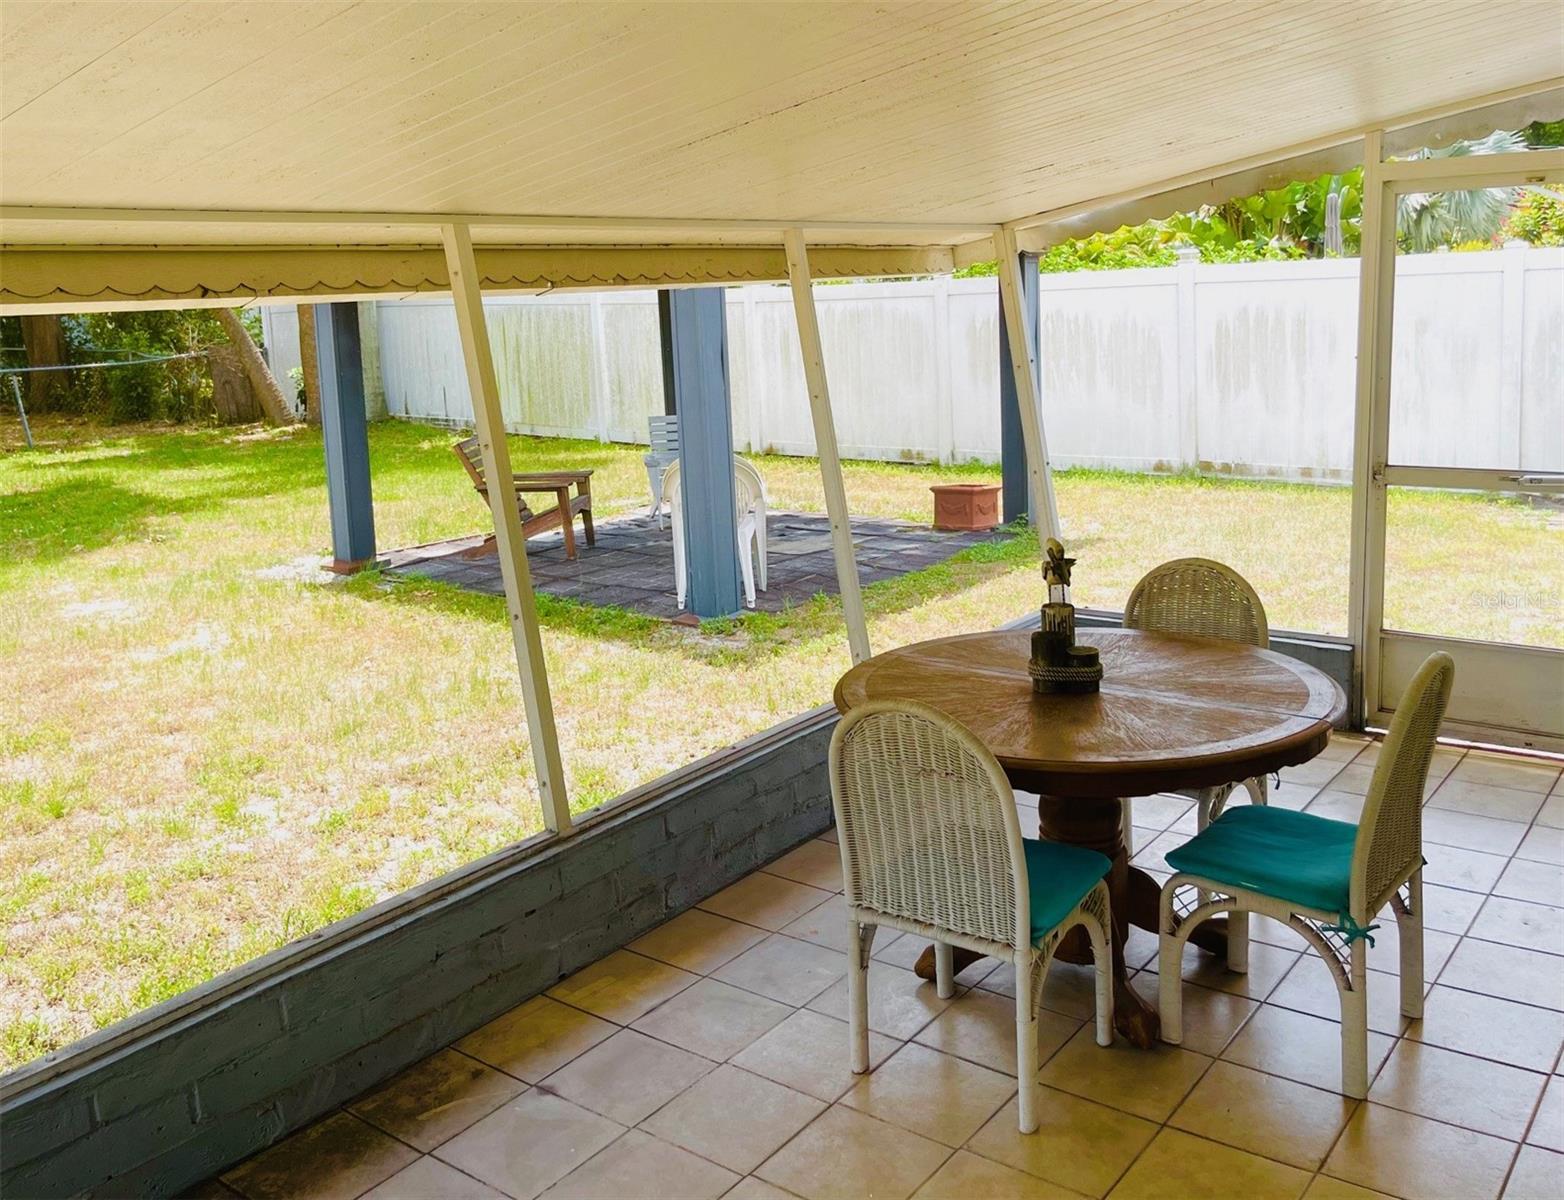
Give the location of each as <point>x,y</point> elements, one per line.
<point>660,455</point>
<point>750,505</point>
<point>1202,597</point>
<point>1326,879</point>
<point>931,844</point>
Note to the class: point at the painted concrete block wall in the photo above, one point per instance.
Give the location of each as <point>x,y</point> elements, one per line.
<point>320,1021</point>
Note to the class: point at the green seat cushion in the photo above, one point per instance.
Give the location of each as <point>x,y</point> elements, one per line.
<point>1058,878</point>
<point>1292,856</point>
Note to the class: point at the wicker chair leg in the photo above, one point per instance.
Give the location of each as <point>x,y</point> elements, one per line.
<point>1238,941</point>
<point>859,939</point>
<point>1027,965</point>
<point>1127,826</point>
<point>1170,968</point>
<point>944,971</point>
<point>1409,924</point>
<point>1354,1027</point>
<point>1102,962</point>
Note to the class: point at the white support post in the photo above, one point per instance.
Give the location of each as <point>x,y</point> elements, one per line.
<point>509,542</point>
<point>1371,427</point>
<point>1023,361</point>
<point>825,443</point>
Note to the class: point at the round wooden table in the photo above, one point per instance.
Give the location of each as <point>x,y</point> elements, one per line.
<point>1174,712</point>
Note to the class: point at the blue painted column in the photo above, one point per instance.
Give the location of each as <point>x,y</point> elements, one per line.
<point>1012,447</point>
<point>345,433</point>
<point>695,370</point>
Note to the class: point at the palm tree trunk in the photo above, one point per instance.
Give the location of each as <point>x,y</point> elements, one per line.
<point>273,404</point>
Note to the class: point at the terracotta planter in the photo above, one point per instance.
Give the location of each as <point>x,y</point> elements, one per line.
<point>966,506</point>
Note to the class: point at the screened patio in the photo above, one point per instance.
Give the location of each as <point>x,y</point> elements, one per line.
<point>648,998</point>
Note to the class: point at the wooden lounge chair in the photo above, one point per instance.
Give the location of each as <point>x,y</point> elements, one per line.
<point>557,483</point>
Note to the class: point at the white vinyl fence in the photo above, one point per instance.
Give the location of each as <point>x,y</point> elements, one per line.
<point>1244,369</point>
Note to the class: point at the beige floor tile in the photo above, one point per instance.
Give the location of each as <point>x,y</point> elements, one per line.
<point>1502,1030</point>
<point>697,941</point>
<point>1268,966</point>
<point>1547,1128</point>
<point>1310,987</point>
<point>1354,777</point>
<point>1551,814</point>
<point>1299,1047</point>
<point>1507,770</point>
<point>1335,805</point>
<point>826,925</point>
<point>750,1188</point>
<point>1326,1188</point>
<point>622,986</point>
<point>1509,972</point>
<point>829,836</point>
<point>1537,1175</point>
<point>1264,1115</point>
<point>1543,845</point>
<point>981,1027</point>
<point>1520,923</point>
<point>1070,989</point>
<point>817,863</point>
<point>1276,933</point>
<point>1140,948</point>
<point>1211,1018</point>
<point>1146,1083</point>
<point>765,900</point>
<point>1153,857</point>
<point>1158,812</point>
<point>1459,1089</point>
<point>1410,1156</point>
<point>1469,870</point>
<point>1444,827</point>
<point>809,1053</point>
<point>1449,910</point>
<point>734,1118</point>
<point>337,1158</point>
<point>966,1176</point>
<point>1295,796</point>
<point>1320,770</point>
<point>943,1098</point>
<point>1385,954</point>
<point>713,1019</point>
<point>529,1144</point>
<point>900,1003</point>
<point>842,1149</point>
<point>786,969</point>
<point>1542,883</point>
<point>536,1038</point>
<point>1177,1165</point>
<point>431,1179</point>
<point>905,949</point>
<point>1078,1144</point>
<point>640,1165</point>
<point>628,1077</point>
<point>436,1099</point>
<point>1484,800</point>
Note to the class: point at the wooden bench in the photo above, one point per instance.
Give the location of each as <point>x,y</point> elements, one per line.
<point>556,483</point>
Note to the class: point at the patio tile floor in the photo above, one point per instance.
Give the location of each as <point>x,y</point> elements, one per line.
<point>632,564</point>
<point>733,1080</point>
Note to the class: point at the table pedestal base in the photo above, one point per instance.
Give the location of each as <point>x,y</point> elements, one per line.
<point>1097,825</point>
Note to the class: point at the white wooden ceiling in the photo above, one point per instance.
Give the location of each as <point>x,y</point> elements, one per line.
<point>934,114</point>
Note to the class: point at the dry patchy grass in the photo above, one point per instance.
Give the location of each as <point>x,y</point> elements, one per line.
<point>203,756</point>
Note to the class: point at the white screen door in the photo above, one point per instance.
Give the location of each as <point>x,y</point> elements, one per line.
<point>1465,512</point>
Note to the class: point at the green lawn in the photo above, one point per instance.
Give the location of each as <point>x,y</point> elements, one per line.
<point>205,752</point>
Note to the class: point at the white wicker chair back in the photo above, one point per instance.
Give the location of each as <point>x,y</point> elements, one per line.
<point>1198,596</point>
<point>1390,831</point>
<point>927,824</point>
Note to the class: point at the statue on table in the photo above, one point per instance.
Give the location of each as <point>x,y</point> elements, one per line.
<point>1058,664</point>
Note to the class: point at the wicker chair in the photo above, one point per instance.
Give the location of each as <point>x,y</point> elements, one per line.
<point>931,844</point>
<point>1202,597</point>
<point>1326,879</point>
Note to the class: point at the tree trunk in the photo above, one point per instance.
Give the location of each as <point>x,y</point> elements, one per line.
<point>310,362</point>
<point>44,340</point>
<point>273,404</point>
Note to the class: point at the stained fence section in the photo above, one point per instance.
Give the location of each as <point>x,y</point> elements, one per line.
<point>1244,369</point>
